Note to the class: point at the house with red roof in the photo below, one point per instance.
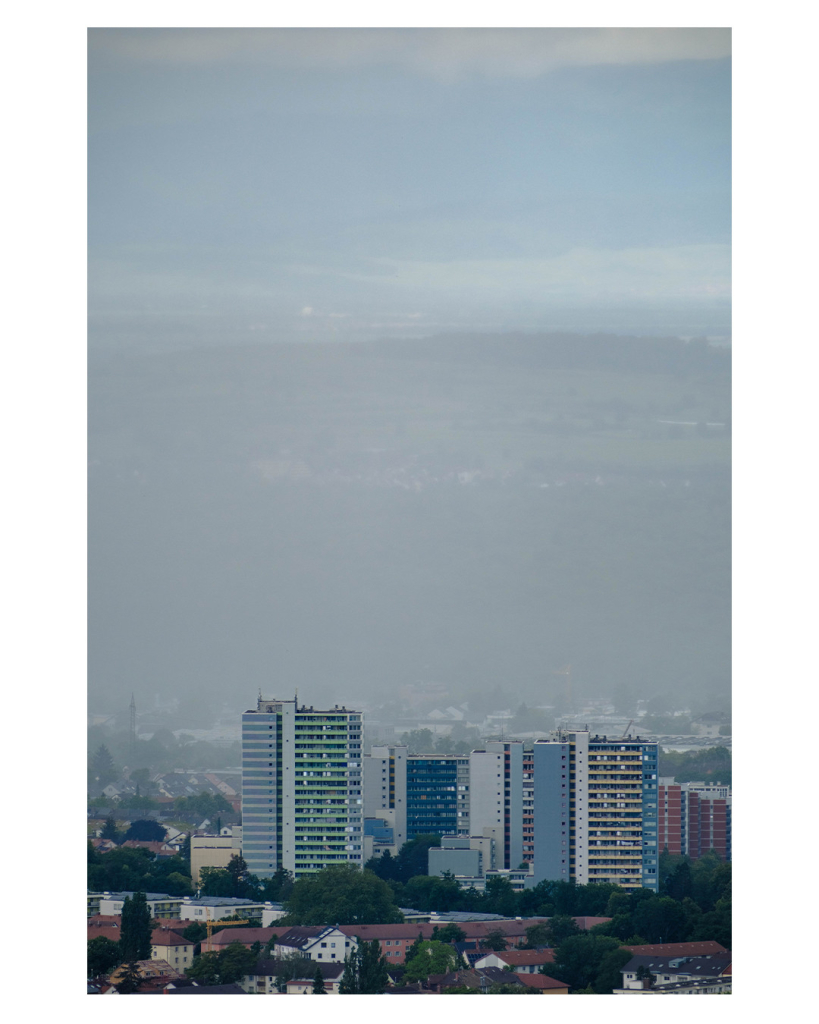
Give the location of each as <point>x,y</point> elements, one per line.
<point>172,947</point>
<point>521,961</point>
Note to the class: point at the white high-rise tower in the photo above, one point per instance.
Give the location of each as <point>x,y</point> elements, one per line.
<point>301,787</point>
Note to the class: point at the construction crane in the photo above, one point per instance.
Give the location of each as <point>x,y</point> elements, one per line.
<point>222,921</point>
<point>625,734</point>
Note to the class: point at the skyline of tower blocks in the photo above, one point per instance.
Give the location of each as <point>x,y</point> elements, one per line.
<point>302,800</point>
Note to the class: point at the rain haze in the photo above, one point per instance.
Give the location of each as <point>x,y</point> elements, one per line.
<point>409,372</point>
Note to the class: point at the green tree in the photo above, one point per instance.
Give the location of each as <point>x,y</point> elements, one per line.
<point>205,968</point>
<point>499,897</point>
<point>715,924</point>
<point>579,958</point>
<point>227,966</point>
<point>660,919</point>
<point>495,939</point>
<point>203,805</point>
<point>434,892</point>
<point>680,882</point>
<point>449,933</point>
<point>432,957</point>
<point>643,973</point>
<point>278,887</point>
<point>216,882</point>
<point>135,929</point>
<point>146,830</point>
<point>101,769</point>
<point>384,866</point>
<point>365,970</point>
<point>177,884</point>
<point>537,936</point>
<point>235,961</point>
<point>419,741</point>
<point>109,831</point>
<point>195,931</point>
<point>343,894</point>
<point>618,904</point>
<point>413,857</point>
<point>103,955</point>
<point>412,951</point>
<point>130,979</point>
<point>318,983</point>
<point>560,928</point>
<point>245,885</point>
<point>609,975</point>
<point>292,965</point>
<point>185,851</point>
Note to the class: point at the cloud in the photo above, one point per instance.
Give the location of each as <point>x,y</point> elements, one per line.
<point>440,53</point>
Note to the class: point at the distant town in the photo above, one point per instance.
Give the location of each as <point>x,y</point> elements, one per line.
<point>410,849</point>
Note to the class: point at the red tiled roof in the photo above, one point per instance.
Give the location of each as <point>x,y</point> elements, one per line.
<point>473,929</point>
<point>167,937</point>
<point>525,957</point>
<point>542,981</point>
<point>247,936</point>
<point>678,949</point>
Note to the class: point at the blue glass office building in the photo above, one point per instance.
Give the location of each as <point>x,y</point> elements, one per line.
<point>437,795</point>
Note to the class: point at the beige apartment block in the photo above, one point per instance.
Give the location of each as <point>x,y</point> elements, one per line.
<point>210,852</point>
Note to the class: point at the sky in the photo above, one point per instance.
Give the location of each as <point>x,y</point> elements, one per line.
<point>287,184</point>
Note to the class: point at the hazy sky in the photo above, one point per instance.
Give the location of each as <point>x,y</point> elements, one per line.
<point>295,182</point>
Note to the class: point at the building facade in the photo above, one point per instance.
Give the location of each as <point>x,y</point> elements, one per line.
<point>301,787</point>
<point>496,799</point>
<point>438,795</point>
<point>694,818</point>
<point>385,789</point>
<point>595,810</point>
<point>529,806</point>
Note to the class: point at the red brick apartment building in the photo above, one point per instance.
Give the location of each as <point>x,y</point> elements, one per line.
<point>693,819</point>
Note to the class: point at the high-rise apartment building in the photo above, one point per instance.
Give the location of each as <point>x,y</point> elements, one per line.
<point>301,787</point>
<point>496,799</point>
<point>694,818</point>
<point>438,795</point>
<point>385,788</point>
<point>595,810</point>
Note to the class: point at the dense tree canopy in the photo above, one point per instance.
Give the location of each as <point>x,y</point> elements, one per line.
<point>365,970</point>
<point>136,928</point>
<point>342,894</point>
<point>560,927</point>
<point>146,830</point>
<point>103,955</point>
<point>204,805</point>
<point>129,870</point>
<point>431,957</point>
<point>578,961</point>
<point>411,862</point>
<point>227,966</point>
